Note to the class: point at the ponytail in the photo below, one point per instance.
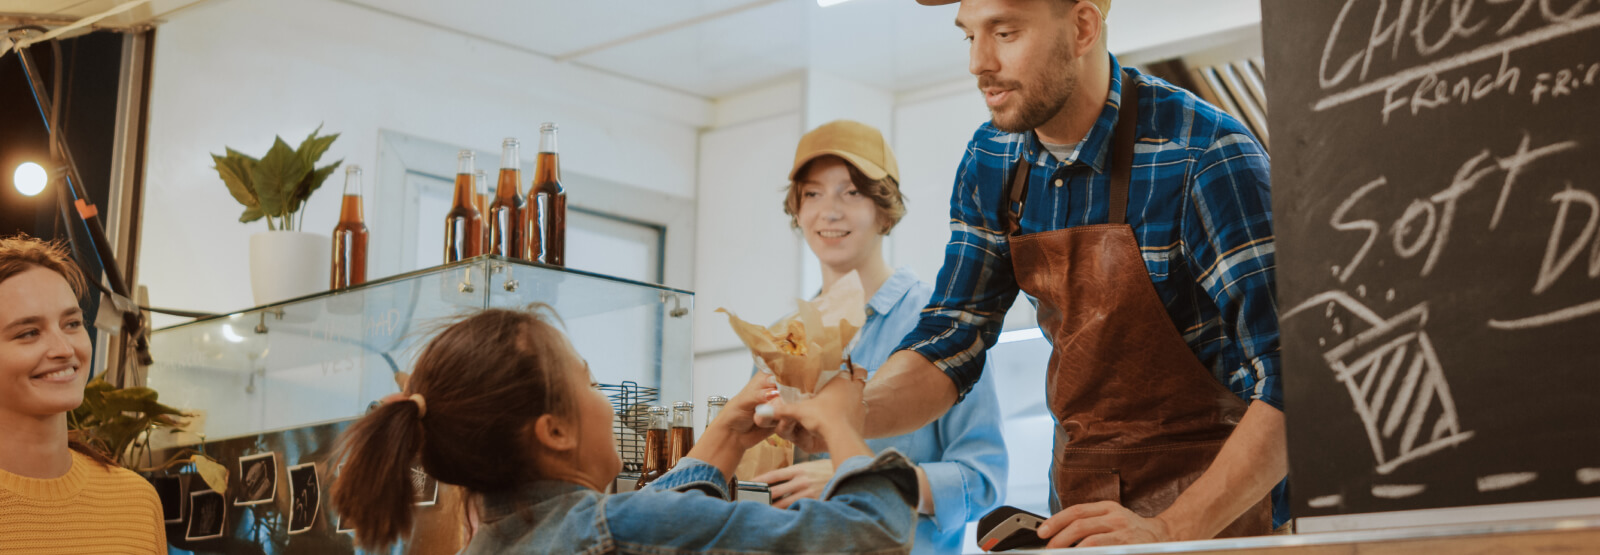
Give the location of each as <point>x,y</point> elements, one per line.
<point>515,361</point>
<point>373,491</point>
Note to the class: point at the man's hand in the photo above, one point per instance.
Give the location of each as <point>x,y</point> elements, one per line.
<point>797,434</point>
<point>1102,523</point>
<point>798,481</point>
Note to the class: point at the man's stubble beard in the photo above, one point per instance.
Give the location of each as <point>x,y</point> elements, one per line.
<point>1054,90</point>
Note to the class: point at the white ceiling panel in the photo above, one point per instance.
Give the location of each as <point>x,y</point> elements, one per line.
<point>717,57</point>
<point>555,27</point>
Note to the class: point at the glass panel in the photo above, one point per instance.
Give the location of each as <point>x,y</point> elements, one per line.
<point>326,357</point>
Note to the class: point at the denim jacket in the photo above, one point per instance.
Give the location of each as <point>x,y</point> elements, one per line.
<point>868,509</point>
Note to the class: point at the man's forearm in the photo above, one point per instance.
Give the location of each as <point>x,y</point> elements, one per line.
<point>1253,460</point>
<point>906,394</point>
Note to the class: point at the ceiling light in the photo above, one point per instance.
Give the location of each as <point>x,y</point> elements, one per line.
<point>826,3</point>
<point>29,178</point>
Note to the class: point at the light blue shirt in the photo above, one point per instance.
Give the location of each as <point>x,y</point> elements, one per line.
<point>962,452</point>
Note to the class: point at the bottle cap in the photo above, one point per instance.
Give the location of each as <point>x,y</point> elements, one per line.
<point>683,405</point>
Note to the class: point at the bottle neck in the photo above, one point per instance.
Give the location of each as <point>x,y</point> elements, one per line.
<point>548,171</point>
<point>465,195</point>
<point>511,156</point>
<point>712,412</point>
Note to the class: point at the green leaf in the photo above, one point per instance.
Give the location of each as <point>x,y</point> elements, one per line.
<point>310,184</point>
<point>215,475</point>
<point>235,173</point>
<point>276,175</point>
<point>313,147</point>
<point>251,214</point>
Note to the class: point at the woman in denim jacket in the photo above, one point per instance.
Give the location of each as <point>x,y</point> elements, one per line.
<point>501,404</point>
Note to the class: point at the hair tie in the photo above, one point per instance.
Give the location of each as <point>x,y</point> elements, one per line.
<point>422,406</point>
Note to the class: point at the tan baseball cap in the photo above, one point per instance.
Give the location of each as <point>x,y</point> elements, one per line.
<point>1104,5</point>
<point>857,143</point>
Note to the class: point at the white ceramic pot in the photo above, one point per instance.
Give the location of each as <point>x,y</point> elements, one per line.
<point>288,264</point>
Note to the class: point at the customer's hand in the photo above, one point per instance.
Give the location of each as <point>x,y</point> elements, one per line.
<point>738,417</point>
<point>797,481</point>
<point>836,414</point>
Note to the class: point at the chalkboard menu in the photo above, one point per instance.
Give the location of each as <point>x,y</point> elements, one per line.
<point>1436,194</point>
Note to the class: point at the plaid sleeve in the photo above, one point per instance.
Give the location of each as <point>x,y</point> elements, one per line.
<point>975,286</point>
<point>1227,236</point>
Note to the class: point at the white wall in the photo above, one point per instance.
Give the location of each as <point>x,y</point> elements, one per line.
<point>237,72</point>
<point>747,257</point>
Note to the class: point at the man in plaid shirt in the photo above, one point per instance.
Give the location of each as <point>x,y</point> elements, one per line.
<point>1144,236</point>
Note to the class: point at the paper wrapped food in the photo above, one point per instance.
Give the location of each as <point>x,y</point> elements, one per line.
<point>806,349</point>
<point>770,454</point>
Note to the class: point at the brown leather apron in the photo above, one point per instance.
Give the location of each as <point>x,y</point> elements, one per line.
<point>1138,418</point>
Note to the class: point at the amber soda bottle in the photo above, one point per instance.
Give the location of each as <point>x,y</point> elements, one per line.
<point>350,235</point>
<point>480,185</point>
<point>463,224</point>
<point>506,228</point>
<point>680,438</point>
<point>655,447</point>
<point>547,205</point>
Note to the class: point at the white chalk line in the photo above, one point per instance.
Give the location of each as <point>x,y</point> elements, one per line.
<point>1473,56</point>
<point>1548,318</point>
<point>1497,482</point>
<point>1397,491</point>
<point>1325,501</point>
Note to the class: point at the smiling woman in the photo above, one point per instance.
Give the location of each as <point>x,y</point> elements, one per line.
<point>57,497</point>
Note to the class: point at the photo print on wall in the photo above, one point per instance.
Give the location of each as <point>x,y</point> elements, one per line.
<point>171,490</point>
<point>305,496</point>
<point>207,510</point>
<point>258,479</point>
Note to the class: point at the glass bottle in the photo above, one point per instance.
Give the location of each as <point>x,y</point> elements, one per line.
<point>714,406</point>
<point>506,230</point>
<point>681,437</point>
<point>463,224</point>
<point>655,447</point>
<point>547,205</point>
<point>480,185</point>
<point>350,235</point>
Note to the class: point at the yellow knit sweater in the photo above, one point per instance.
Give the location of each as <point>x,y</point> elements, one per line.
<point>91,509</point>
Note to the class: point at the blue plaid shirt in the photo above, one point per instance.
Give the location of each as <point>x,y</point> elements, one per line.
<point>1200,209</point>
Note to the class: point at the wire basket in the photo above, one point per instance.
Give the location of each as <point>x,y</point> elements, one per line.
<point>632,403</point>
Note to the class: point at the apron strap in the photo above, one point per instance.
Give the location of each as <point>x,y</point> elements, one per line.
<point>1015,191</point>
<point>1122,140</point>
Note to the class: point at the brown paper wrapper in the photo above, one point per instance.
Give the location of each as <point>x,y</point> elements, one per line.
<point>805,349</point>
<point>771,454</point>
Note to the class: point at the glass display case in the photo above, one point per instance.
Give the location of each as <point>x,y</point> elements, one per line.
<point>326,357</point>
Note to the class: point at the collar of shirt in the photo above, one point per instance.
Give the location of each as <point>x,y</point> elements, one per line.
<point>890,293</point>
<point>1095,146</point>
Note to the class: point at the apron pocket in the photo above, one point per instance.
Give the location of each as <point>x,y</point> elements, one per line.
<point>1087,485</point>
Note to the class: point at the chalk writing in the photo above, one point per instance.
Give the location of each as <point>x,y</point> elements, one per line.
<point>1344,51</point>
<point>1427,222</point>
<point>1394,351</point>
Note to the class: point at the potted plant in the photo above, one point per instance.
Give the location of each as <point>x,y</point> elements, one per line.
<point>119,422</point>
<point>285,262</point>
